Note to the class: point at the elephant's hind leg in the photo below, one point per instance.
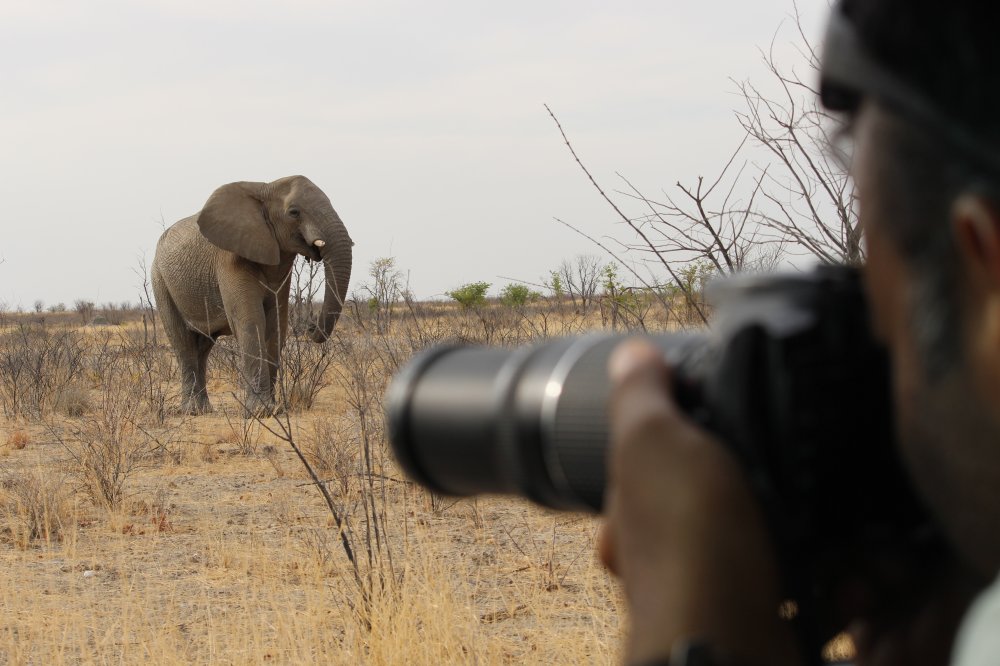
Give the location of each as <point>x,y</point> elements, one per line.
<point>192,356</point>
<point>191,349</point>
<point>205,345</point>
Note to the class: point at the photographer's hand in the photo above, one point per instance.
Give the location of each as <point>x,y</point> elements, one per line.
<point>683,531</point>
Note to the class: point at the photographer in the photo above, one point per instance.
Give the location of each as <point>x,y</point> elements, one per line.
<point>916,80</point>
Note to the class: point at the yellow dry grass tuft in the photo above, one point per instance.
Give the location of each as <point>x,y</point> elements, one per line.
<point>18,439</point>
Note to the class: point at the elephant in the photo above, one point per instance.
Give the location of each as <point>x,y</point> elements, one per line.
<point>227,271</point>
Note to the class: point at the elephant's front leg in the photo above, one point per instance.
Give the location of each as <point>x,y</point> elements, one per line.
<point>249,323</point>
<point>273,339</point>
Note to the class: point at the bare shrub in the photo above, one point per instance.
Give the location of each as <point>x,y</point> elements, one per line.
<point>280,425</point>
<point>363,373</point>
<point>73,400</point>
<point>580,279</point>
<point>132,356</point>
<point>36,506</point>
<point>332,451</point>
<point>383,292</point>
<point>35,365</point>
<point>488,324</point>
<point>146,305</point>
<point>124,311</point>
<point>107,449</point>
<point>85,309</point>
<point>114,314</point>
<point>318,547</point>
<point>152,368</point>
<point>303,373</point>
<point>244,434</point>
<point>420,328</point>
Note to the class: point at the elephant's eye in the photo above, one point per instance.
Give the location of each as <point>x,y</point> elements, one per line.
<point>294,213</point>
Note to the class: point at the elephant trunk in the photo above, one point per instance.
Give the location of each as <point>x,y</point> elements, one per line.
<point>337,256</point>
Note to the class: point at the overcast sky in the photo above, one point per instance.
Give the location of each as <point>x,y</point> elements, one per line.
<point>423,122</point>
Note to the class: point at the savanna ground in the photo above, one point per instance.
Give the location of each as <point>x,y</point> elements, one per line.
<point>130,533</point>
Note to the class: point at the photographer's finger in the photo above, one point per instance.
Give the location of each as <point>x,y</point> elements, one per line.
<point>606,549</point>
<point>645,430</point>
<point>641,410</point>
<point>636,355</point>
<point>639,379</point>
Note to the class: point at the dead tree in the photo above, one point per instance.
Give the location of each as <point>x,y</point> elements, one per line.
<point>809,195</point>
<point>784,190</point>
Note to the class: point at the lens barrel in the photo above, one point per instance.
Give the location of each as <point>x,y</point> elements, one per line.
<point>530,421</point>
<point>470,420</point>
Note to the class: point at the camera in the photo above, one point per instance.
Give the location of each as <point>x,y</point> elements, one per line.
<point>789,378</point>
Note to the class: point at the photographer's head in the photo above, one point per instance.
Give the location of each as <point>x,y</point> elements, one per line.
<point>915,78</point>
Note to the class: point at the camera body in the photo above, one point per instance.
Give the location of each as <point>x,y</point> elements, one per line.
<point>789,378</point>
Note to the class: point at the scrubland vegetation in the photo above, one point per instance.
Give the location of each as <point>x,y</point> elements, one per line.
<point>130,533</point>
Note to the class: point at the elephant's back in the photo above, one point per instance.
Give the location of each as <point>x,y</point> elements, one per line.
<point>179,238</point>
<point>185,262</point>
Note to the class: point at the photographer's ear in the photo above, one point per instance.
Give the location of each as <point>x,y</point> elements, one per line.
<point>975,221</point>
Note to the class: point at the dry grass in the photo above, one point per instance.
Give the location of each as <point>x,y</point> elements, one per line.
<point>212,545</point>
<point>36,505</point>
<point>230,562</point>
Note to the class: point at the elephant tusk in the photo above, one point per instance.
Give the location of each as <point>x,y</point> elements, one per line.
<point>319,243</point>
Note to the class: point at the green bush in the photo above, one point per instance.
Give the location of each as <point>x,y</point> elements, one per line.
<point>555,284</point>
<point>471,295</point>
<point>518,295</point>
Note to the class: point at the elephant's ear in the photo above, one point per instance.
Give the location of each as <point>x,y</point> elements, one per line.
<point>233,219</point>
